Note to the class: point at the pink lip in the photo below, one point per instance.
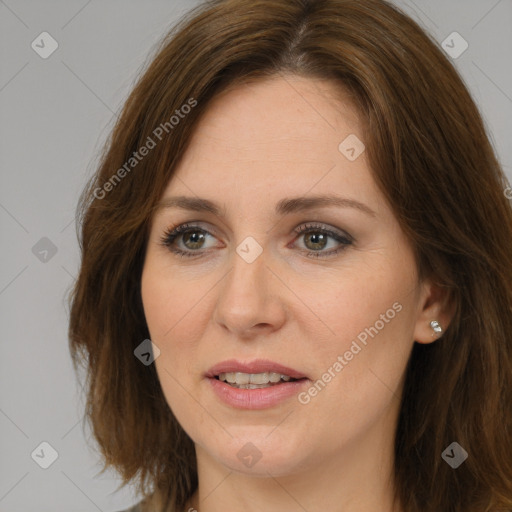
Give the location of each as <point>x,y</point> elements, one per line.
<point>255,366</point>
<point>260,398</point>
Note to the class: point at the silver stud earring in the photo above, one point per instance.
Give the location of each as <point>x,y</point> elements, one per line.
<point>436,327</point>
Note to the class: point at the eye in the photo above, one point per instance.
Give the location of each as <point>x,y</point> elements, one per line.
<point>316,237</point>
<point>192,236</point>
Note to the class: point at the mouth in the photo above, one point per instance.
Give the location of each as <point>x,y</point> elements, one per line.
<point>256,374</point>
<point>254,380</point>
<point>257,384</point>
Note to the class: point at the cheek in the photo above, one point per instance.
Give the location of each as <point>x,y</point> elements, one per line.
<point>352,303</point>
<point>169,301</point>
<point>360,370</point>
<point>169,316</point>
<point>152,293</point>
<point>370,321</point>
<point>173,309</point>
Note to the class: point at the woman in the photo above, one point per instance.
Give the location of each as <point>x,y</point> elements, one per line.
<point>295,289</point>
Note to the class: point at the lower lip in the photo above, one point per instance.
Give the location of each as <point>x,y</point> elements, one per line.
<point>260,398</point>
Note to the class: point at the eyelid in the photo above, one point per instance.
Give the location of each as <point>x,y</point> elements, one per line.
<point>179,229</point>
<point>300,228</point>
<point>341,237</point>
<point>311,226</point>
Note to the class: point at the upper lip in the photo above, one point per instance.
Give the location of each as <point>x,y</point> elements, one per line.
<point>254,366</point>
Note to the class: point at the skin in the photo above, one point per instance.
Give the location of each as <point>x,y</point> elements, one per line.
<point>256,145</point>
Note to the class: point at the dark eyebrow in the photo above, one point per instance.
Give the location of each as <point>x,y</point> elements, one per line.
<point>283,207</point>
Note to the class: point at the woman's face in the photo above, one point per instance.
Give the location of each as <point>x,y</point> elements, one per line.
<point>338,303</point>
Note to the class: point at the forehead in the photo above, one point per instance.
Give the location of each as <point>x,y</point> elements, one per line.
<point>279,113</point>
<point>277,135</point>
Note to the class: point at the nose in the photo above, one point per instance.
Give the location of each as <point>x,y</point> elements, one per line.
<point>250,298</point>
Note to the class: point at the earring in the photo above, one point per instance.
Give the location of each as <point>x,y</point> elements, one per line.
<point>436,327</point>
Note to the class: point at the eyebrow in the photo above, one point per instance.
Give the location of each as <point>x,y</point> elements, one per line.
<point>283,207</point>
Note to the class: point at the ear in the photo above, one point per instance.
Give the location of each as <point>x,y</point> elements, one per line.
<point>436,303</point>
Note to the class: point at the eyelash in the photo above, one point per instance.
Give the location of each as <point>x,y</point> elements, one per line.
<point>172,234</point>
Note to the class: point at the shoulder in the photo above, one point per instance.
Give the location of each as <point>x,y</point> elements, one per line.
<point>141,506</point>
<point>133,508</point>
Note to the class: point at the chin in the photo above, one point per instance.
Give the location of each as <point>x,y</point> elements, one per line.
<point>259,451</point>
<point>264,467</point>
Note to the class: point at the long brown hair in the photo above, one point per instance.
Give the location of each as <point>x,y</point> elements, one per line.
<point>431,157</point>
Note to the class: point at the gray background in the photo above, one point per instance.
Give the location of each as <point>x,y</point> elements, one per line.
<point>54,116</point>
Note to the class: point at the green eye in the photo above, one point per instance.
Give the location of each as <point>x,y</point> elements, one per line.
<point>193,238</point>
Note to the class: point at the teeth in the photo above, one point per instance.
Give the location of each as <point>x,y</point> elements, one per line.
<point>243,378</point>
<point>253,380</point>
<point>230,377</point>
<point>258,378</point>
